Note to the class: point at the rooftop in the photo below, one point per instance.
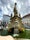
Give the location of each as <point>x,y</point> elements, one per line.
<point>26,15</point>
<point>6,15</point>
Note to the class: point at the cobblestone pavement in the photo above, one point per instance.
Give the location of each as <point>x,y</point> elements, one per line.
<point>21,39</point>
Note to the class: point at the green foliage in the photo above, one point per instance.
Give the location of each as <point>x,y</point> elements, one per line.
<point>25,34</point>
<point>4,33</point>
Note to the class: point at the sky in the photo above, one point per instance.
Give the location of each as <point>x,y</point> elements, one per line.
<point>6,7</point>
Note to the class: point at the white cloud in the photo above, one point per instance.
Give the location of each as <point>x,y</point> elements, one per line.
<point>14,1</point>
<point>8,6</point>
<point>29,2</point>
<point>5,11</point>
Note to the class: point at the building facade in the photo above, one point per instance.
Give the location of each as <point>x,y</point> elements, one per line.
<point>26,19</point>
<point>6,18</point>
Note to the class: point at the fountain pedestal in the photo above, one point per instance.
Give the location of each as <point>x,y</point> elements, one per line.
<point>16,31</point>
